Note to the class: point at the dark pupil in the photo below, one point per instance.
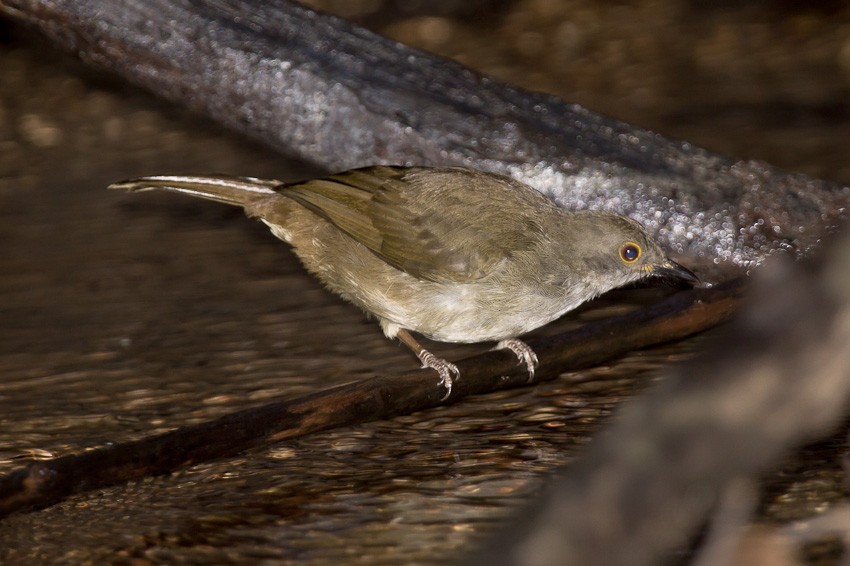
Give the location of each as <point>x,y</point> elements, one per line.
<point>630,253</point>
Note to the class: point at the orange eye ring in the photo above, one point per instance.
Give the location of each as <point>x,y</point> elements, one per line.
<point>630,252</point>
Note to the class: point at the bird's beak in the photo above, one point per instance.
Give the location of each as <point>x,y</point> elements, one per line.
<point>672,271</point>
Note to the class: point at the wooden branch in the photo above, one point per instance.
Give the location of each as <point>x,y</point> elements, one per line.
<point>46,482</point>
<point>264,69</point>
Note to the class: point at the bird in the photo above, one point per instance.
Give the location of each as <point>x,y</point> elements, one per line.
<point>454,254</point>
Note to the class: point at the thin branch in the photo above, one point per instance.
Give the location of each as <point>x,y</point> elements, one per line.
<point>46,482</point>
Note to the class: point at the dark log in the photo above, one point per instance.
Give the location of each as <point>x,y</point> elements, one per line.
<point>320,88</point>
<point>45,482</point>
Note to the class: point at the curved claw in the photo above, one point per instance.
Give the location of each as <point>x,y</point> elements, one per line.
<point>443,367</point>
<point>522,351</point>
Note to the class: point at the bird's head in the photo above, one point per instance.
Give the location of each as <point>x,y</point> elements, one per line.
<point>613,251</point>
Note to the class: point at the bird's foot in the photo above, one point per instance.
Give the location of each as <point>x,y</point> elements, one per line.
<point>443,367</point>
<point>522,351</point>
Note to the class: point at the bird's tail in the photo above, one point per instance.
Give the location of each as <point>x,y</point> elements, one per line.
<point>239,191</point>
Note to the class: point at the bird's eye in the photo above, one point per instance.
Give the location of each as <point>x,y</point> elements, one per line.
<point>630,252</point>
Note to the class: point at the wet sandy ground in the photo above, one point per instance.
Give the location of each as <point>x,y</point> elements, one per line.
<point>126,315</point>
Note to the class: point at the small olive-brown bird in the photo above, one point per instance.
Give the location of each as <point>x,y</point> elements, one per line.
<point>457,255</point>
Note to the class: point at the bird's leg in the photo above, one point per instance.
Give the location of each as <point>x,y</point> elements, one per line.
<point>523,351</point>
<point>429,360</point>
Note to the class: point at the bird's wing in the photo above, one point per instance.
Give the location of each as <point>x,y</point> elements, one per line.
<point>419,222</point>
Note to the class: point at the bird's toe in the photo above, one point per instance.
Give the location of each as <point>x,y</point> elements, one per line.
<point>523,352</point>
<point>442,367</point>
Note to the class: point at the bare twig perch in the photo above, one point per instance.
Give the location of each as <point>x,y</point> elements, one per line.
<point>46,482</point>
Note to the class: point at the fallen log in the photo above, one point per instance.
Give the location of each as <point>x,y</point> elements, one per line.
<point>317,87</point>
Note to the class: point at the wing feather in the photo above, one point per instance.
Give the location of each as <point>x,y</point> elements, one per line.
<point>419,219</point>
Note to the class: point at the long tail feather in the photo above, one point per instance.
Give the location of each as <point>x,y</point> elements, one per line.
<point>237,191</point>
